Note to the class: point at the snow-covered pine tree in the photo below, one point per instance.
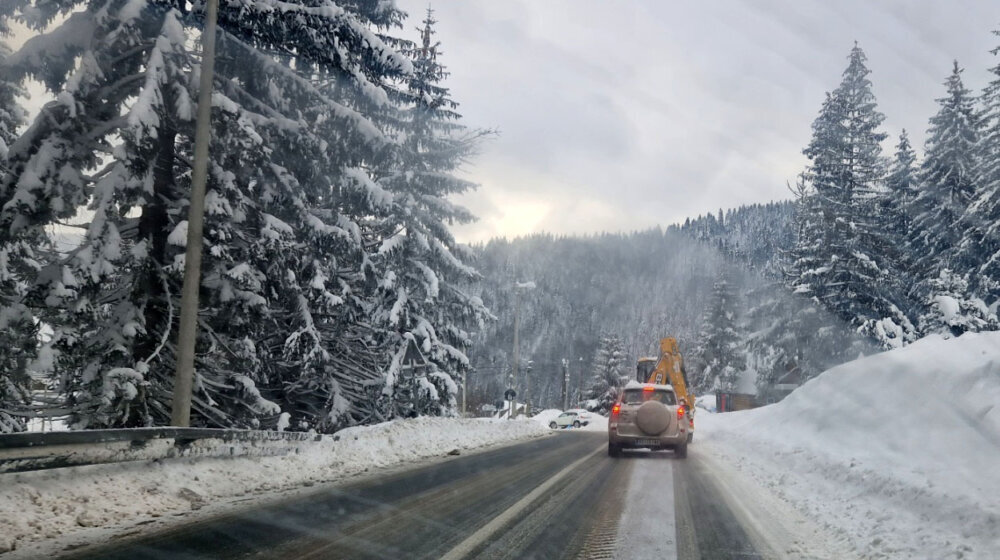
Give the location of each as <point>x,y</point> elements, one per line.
<point>952,311</point>
<point>776,343</point>
<point>892,203</point>
<point>787,332</point>
<point>947,187</point>
<point>980,244</point>
<point>792,329</point>
<point>282,205</point>
<point>947,180</point>
<point>12,115</point>
<point>17,263</point>
<point>317,347</point>
<point>424,275</point>
<point>840,258</point>
<point>901,187</point>
<point>114,148</point>
<point>610,373</point>
<point>721,344</point>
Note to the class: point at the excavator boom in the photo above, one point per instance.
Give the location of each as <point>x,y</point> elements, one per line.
<point>667,368</point>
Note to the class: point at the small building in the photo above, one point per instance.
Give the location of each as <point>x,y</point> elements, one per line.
<point>731,402</point>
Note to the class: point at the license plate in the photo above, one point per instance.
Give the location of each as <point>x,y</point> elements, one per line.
<point>649,442</point>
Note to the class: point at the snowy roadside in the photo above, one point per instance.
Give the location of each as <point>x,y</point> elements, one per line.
<point>45,511</point>
<point>893,454</point>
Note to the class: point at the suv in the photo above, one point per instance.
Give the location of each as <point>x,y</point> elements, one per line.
<point>583,415</point>
<point>648,416</point>
<point>569,418</point>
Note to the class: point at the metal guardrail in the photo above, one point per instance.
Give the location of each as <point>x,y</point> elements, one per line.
<point>22,452</point>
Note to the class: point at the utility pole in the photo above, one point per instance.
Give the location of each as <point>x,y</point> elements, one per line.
<point>517,350</point>
<point>464,389</point>
<point>518,286</point>
<point>527,384</point>
<point>565,384</point>
<point>180,411</point>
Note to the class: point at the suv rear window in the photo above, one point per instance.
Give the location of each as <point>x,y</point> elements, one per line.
<point>639,396</point>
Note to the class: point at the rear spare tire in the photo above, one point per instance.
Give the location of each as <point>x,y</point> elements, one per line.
<point>652,418</point>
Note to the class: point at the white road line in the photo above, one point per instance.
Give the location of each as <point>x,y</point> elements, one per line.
<point>485,532</point>
<point>648,526</point>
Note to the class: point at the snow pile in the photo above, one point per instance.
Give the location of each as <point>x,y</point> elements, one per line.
<point>70,503</point>
<point>547,416</point>
<point>597,423</point>
<point>896,452</point>
<point>706,403</point>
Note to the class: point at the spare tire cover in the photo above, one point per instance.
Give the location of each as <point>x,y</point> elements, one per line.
<point>652,418</point>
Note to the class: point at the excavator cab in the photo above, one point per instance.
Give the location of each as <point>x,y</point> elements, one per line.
<point>644,369</point>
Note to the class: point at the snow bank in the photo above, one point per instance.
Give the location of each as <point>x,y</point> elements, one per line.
<point>545,417</point>
<point>72,503</point>
<point>896,452</point>
<point>597,423</point>
<point>706,402</point>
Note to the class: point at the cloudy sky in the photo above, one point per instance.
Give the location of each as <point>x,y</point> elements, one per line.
<point>627,114</point>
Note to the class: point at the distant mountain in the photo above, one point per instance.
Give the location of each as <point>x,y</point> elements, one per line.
<point>639,287</point>
<point>754,235</point>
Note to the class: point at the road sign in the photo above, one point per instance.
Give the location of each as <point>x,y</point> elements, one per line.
<point>509,394</point>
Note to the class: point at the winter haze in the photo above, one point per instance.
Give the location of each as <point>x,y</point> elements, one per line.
<point>644,114</point>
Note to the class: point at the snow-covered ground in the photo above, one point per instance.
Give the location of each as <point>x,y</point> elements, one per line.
<point>545,417</point>
<point>55,508</point>
<point>896,455</point>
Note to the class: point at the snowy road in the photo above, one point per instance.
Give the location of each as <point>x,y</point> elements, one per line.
<point>558,497</point>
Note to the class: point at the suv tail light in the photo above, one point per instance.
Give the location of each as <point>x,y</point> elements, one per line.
<point>680,412</point>
<point>615,410</point>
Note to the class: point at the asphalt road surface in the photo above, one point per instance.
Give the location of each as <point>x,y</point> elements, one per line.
<point>550,498</point>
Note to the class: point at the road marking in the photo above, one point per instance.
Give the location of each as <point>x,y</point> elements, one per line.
<point>476,539</point>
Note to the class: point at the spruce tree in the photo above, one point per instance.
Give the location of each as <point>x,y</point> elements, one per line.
<point>840,259</point>
<point>18,261</point>
<point>424,275</point>
<point>296,93</point>
<point>947,187</point>
<point>952,311</point>
<point>979,248</point>
<point>721,342</point>
<point>947,179</point>
<point>901,188</point>
<point>787,332</point>
<point>609,373</point>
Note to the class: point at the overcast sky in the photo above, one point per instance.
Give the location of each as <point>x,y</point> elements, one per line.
<point>626,114</point>
<point>621,115</point>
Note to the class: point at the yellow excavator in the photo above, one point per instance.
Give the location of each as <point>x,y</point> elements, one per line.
<point>668,369</point>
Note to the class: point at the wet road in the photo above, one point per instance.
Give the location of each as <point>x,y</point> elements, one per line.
<point>556,497</point>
